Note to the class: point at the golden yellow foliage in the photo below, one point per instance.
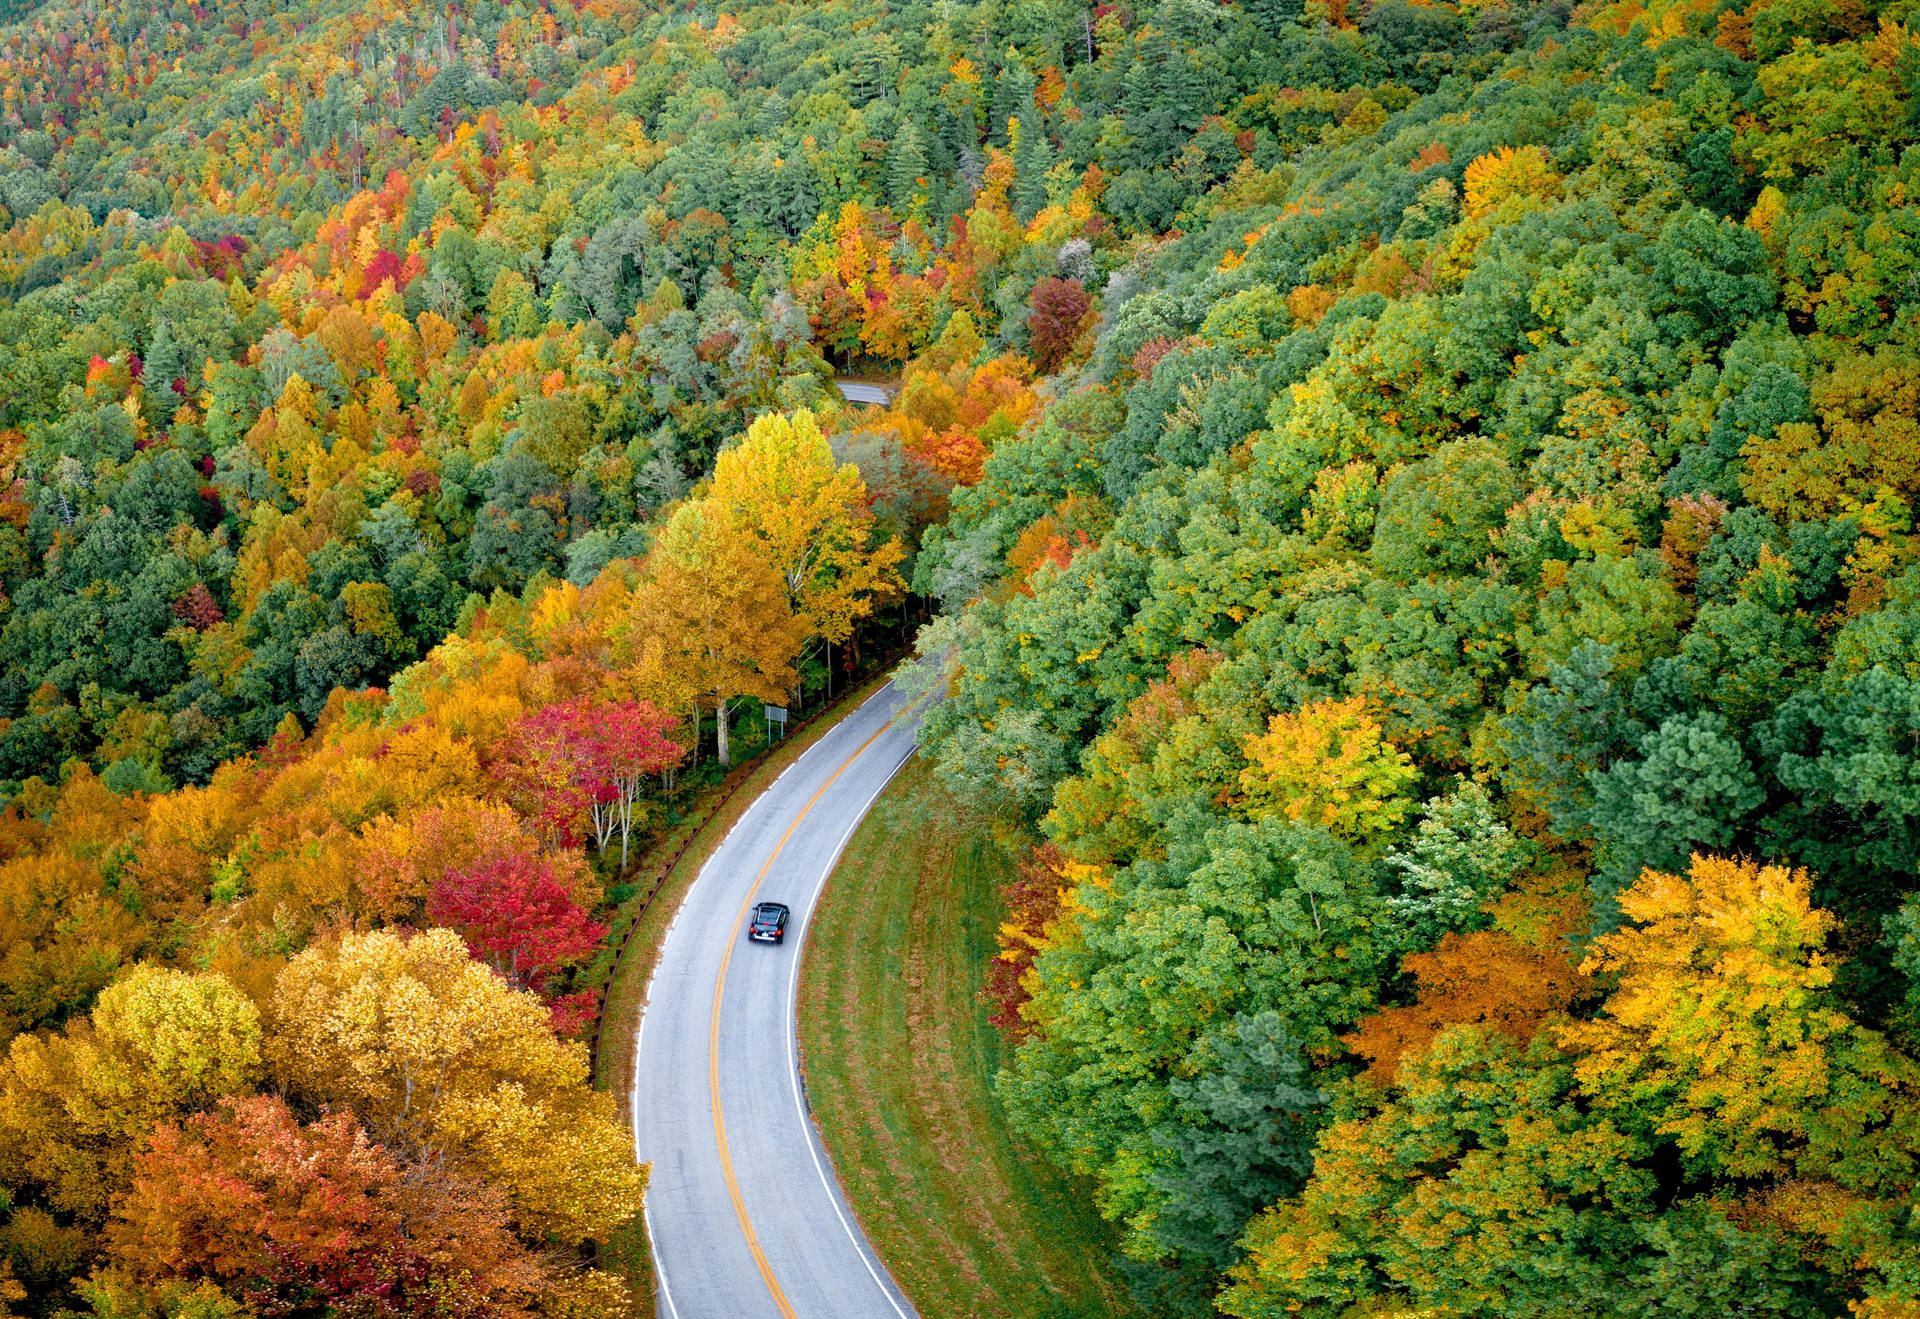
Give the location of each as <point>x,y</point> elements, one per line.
<point>588,1294</point>
<point>1723,1028</point>
<point>711,618</point>
<point>76,1108</point>
<point>434,1052</point>
<point>1769,208</point>
<point>1508,173</point>
<point>566,1161</point>
<point>203,820</point>
<point>808,517</point>
<point>392,1025</point>
<point>1328,764</point>
<point>1885,1307</point>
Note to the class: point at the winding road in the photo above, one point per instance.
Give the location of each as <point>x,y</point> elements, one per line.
<point>746,1217</point>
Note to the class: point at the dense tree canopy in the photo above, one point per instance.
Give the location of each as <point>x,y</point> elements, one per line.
<point>300,1040</point>
<point>1421,500</point>
<point>1450,606</point>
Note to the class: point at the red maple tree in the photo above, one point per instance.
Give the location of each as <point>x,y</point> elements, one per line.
<point>576,763</point>
<point>627,743</point>
<point>518,915</point>
<point>1059,308</point>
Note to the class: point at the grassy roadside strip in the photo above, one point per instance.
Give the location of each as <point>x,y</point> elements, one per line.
<point>899,1060</point>
<point>627,1252</point>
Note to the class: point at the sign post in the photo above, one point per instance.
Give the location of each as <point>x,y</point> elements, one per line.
<point>776,714</point>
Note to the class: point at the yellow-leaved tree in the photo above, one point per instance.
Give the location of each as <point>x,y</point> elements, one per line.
<point>1724,1032</point>
<point>810,520</point>
<point>1508,172</point>
<point>435,1054</point>
<point>77,1107</point>
<point>1328,764</point>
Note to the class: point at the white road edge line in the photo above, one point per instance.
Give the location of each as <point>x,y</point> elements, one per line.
<point>888,1288</point>
<point>633,1127</point>
<point>659,1271</point>
<point>793,1056</point>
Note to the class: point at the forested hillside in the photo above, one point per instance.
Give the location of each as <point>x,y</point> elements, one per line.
<point>1421,502</point>
<point>265,433</point>
<point>304,1040</point>
<point>1452,643</point>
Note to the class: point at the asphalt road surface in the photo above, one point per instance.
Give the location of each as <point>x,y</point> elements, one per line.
<point>746,1217</point>
<point>853,391</point>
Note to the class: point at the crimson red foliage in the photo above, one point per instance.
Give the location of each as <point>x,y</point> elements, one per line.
<point>518,915</point>
<point>1032,900</point>
<point>576,762</point>
<point>197,608</point>
<point>384,265</point>
<point>573,1013</point>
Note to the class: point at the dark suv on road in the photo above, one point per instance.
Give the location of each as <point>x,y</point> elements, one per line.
<point>769,923</point>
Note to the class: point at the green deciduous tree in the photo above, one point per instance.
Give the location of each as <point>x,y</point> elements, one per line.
<point>1274,917</point>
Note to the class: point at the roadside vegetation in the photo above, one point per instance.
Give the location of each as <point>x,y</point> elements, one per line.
<point>900,1056</point>
<point>251,1117</point>
<point>1453,651</point>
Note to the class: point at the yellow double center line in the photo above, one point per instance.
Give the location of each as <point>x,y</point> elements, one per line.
<point>713,1036</point>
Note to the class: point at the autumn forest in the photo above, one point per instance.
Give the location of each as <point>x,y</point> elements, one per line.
<point>1416,504</point>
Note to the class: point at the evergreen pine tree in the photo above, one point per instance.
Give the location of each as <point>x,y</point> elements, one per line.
<point>166,363</point>
<point>1032,158</point>
<point>773,114</point>
<point>906,166</point>
<point>1012,95</point>
<point>1240,1137</point>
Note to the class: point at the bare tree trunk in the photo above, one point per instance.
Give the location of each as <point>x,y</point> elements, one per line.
<point>629,793</point>
<point>720,732</point>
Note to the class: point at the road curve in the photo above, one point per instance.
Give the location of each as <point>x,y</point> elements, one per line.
<point>746,1217</point>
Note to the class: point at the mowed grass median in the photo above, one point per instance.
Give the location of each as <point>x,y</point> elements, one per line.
<point>899,1059</point>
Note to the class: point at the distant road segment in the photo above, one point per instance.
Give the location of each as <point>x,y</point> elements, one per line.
<point>855,392</point>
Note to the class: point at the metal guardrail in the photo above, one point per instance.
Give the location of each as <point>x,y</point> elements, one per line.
<point>740,774</point>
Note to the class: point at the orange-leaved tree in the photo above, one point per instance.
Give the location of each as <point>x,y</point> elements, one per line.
<point>250,1200</point>
<point>712,617</point>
